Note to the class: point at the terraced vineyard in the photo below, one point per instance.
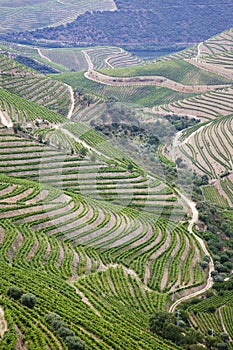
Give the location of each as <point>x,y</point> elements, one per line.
<point>140,96</point>
<point>177,70</point>
<point>206,149</point>
<point>94,236</point>
<point>218,44</point>
<point>33,86</point>
<point>214,314</point>
<point>100,57</point>
<point>205,106</point>
<point>32,15</point>
<point>96,239</point>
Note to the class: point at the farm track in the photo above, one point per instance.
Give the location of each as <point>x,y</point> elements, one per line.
<point>71,109</point>
<point>150,80</point>
<point>222,322</point>
<point>209,282</point>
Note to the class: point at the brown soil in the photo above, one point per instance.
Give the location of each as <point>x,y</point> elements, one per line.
<point>149,80</point>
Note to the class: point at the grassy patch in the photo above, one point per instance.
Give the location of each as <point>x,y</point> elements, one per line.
<point>144,96</point>
<point>177,70</point>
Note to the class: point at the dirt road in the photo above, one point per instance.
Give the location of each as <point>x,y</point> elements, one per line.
<point>209,282</point>
<point>71,109</point>
<point>148,80</point>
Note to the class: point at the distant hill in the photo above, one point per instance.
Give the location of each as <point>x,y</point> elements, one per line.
<point>147,24</point>
<point>42,13</point>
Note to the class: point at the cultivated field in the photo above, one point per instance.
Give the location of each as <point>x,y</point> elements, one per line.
<point>96,238</point>
<point>100,57</point>
<point>43,13</point>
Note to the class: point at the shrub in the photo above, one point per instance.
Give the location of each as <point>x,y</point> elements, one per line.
<point>29,300</point>
<point>64,332</point>
<point>74,343</point>
<point>14,292</point>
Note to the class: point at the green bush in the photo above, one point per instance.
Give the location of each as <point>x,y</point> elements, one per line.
<point>14,292</point>
<point>29,300</point>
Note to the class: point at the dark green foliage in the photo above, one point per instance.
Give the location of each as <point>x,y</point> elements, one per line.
<point>16,128</point>
<point>54,320</point>
<point>65,332</point>
<point>83,152</point>
<point>181,123</point>
<point>175,328</point>
<point>42,68</point>
<point>29,300</point>
<point>14,292</point>
<point>159,322</point>
<point>140,25</point>
<point>222,346</point>
<point>74,343</point>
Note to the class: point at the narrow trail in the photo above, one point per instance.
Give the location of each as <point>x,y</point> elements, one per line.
<point>43,56</point>
<point>93,75</point>
<point>71,110</point>
<point>198,52</point>
<point>222,322</point>
<point>106,61</point>
<point>131,272</point>
<point>88,59</point>
<point>3,323</point>
<point>177,142</point>
<point>69,87</point>
<point>209,282</point>
<point>85,299</point>
<point>68,133</point>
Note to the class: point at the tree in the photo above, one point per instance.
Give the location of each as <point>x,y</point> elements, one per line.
<point>210,342</point>
<point>14,292</point>
<point>16,128</point>
<point>40,138</point>
<point>173,332</point>
<point>74,343</point>
<point>204,264</point>
<point>54,320</point>
<point>83,152</point>
<point>130,167</point>
<point>159,320</point>
<point>29,300</point>
<point>64,332</point>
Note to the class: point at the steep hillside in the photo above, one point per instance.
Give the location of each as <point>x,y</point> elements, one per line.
<point>44,13</point>
<point>145,25</point>
<point>116,197</point>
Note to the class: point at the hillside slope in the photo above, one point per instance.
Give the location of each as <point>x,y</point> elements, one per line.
<point>152,23</point>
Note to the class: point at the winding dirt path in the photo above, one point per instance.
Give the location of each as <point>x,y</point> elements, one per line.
<point>71,109</point>
<point>198,52</point>
<point>88,59</point>
<point>222,322</point>
<point>43,56</point>
<point>148,80</point>
<point>85,299</point>
<point>86,145</point>
<point>3,323</point>
<point>209,282</point>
